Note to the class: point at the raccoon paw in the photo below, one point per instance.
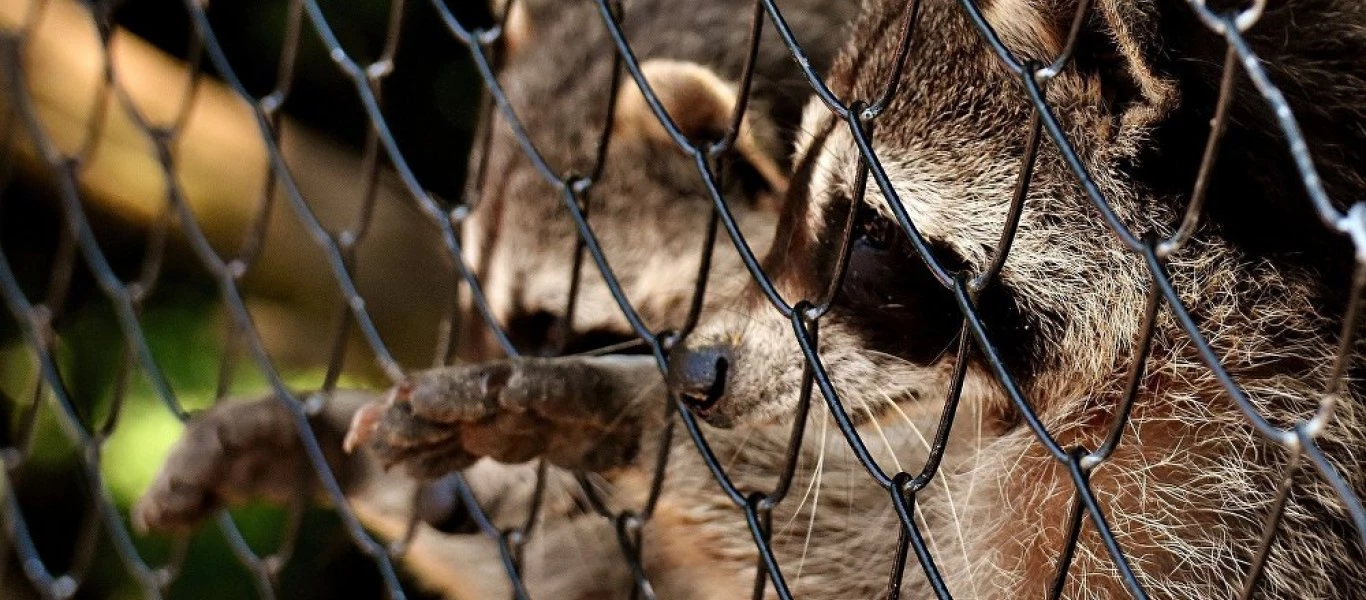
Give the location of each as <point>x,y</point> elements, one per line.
<point>577,413</point>
<point>234,453</point>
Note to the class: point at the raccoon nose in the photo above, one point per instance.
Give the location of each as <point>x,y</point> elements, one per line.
<point>698,375</point>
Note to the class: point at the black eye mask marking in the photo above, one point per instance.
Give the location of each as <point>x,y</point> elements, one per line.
<point>874,233</point>
<point>894,304</point>
<point>888,296</point>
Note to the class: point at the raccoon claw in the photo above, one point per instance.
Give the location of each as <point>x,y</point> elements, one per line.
<point>177,506</point>
<point>565,410</point>
<point>363,426</point>
<point>236,452</point>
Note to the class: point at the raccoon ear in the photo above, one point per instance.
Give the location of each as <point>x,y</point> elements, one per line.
<point>1120,44</point>
<point>701,104</point>
<point>1134,28</point>
<point>517,29</point>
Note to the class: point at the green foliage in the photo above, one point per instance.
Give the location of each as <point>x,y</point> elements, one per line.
<point>430,104</point>
<point>185,334</point>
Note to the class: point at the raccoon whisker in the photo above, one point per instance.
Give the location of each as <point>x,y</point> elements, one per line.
<point>801,128</point>
<point>872,417</point>
<point>893,359</point>
<point>943,482</point>
<point>946,349</point>
<point>746,321</point>
<point>848,469</point>
<point>739,448</point>
<point>934,541</point>
<point>600,487</point>
<point>814,481</point>
<point>815,502</point>
<point>646,393</point>
<point>747,325</point>
<point>897,360</point>
<point>826,170</point>
<point>612,348</point>
<point>544,549</point>
<point>745,318</point>
<point>972,480</point>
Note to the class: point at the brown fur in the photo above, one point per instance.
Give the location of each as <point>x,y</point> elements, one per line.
<point>649,212</point>
<point>649,200</point>
<point>1188,490</point>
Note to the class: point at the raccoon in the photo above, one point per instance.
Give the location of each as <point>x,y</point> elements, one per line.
<point>650,213</point>
<point>1188,490</point>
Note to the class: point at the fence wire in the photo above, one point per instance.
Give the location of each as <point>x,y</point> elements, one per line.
<point>78,245</point>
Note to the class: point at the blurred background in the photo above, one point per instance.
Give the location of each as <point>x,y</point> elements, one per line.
<point>430,101</point>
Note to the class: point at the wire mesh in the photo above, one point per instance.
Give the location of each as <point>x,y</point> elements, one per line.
<point>78,245</point>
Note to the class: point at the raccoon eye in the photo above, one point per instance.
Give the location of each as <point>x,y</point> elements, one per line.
<point>752,183</point>
<point>874,231</point>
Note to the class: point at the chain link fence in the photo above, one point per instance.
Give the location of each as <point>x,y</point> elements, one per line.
<point>104,534</point>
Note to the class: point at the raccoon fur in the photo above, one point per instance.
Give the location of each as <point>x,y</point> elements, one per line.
<point>1187,491</point>
<point>650,214</point>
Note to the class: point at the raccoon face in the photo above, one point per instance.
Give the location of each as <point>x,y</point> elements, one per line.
<point>648,206</point>
<point>1064,310</point>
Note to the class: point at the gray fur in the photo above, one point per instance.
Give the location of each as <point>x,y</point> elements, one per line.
<point>1187,491</point>
<point>649,211</point>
